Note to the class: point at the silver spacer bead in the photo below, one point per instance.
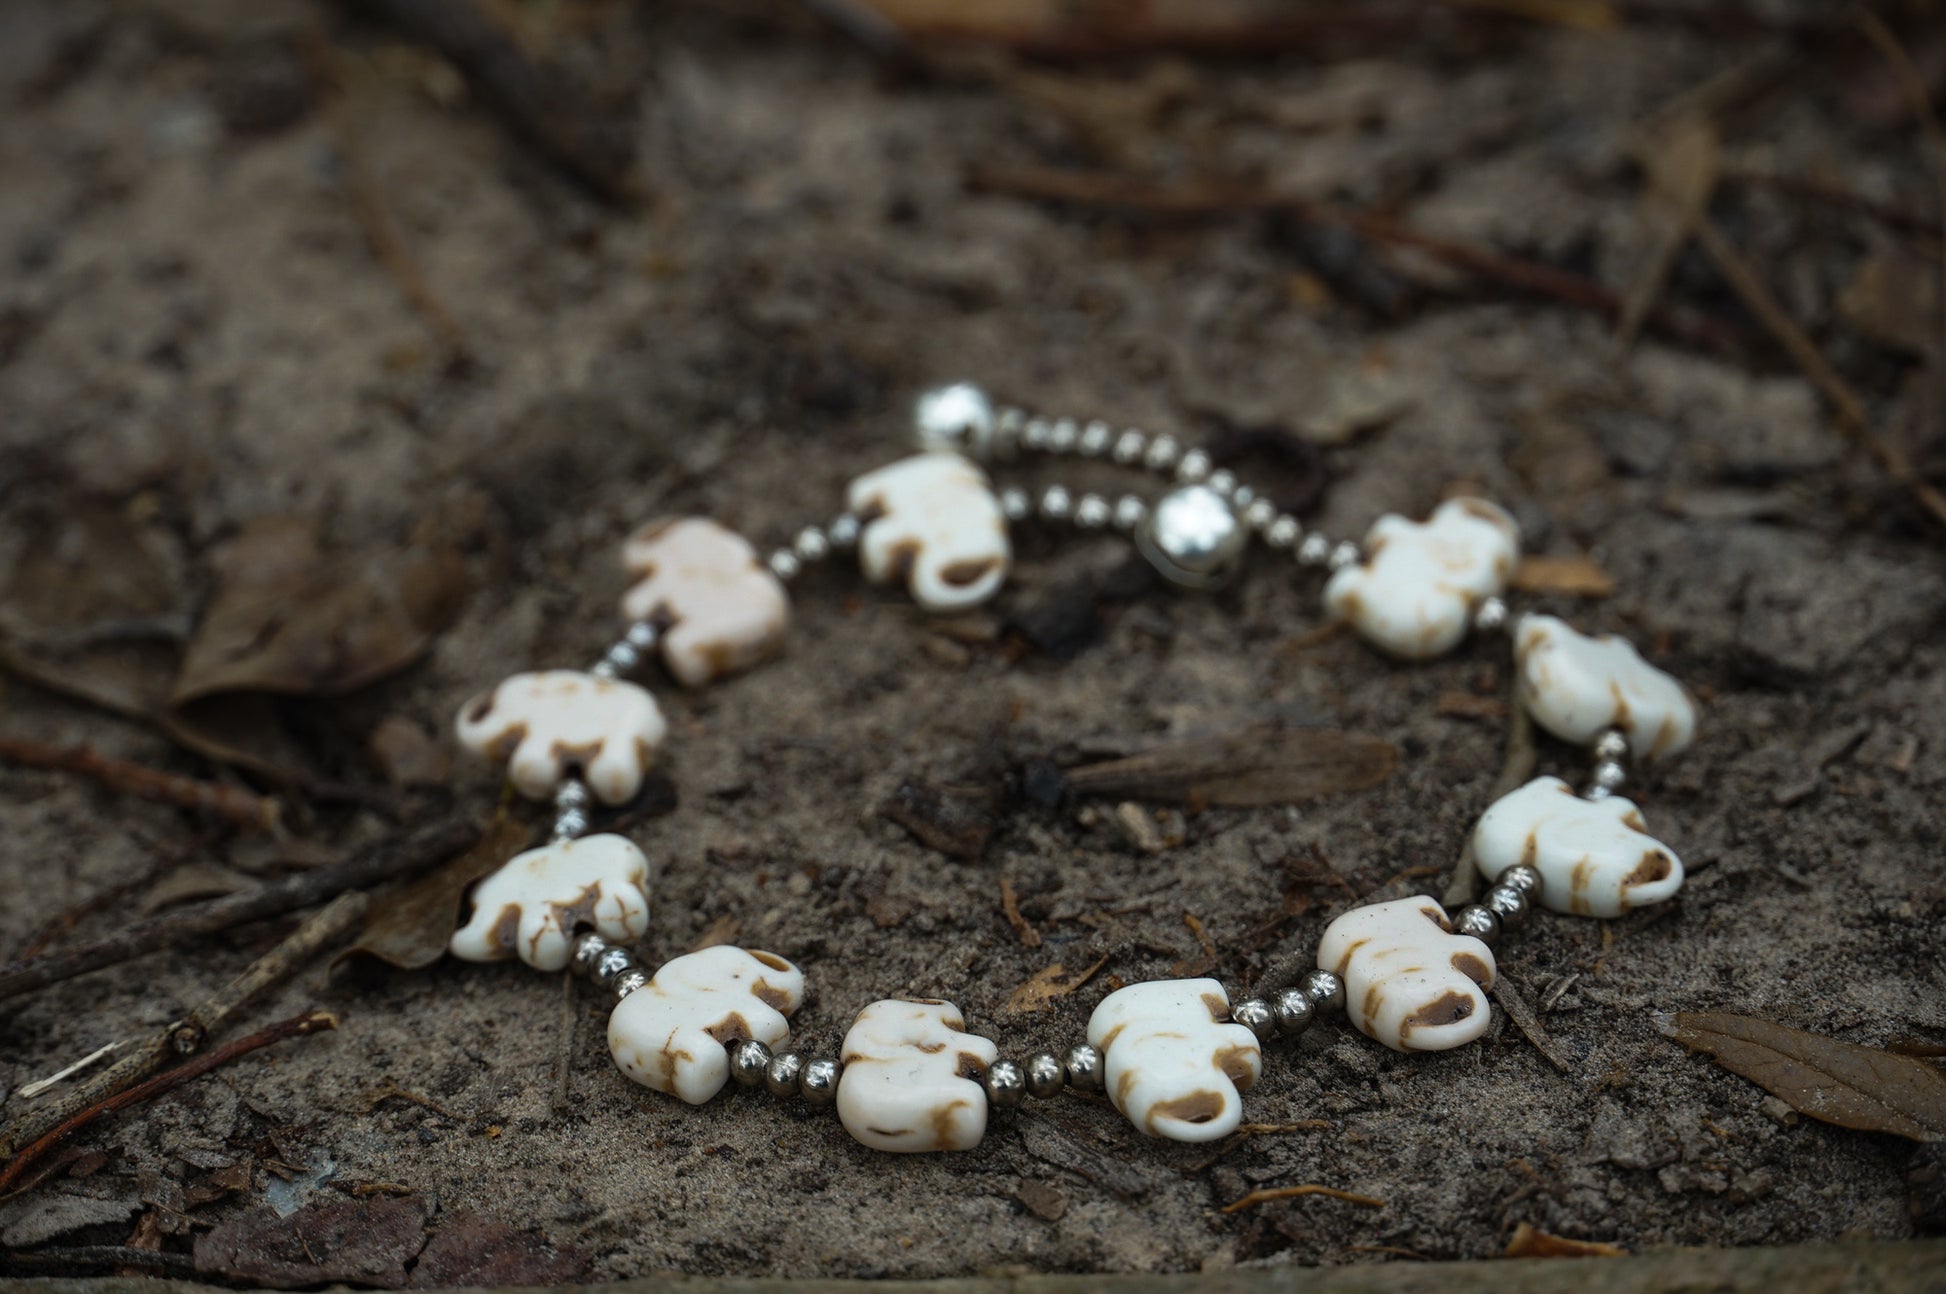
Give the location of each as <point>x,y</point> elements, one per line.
<point>1014,504</point>
<point>811,545</point>
<point>1490,616</point>
<point>784,565</point>
<point>1596,793</point>
<point>1610,774</point>
<point>1193,537</point>
<point>1045,1077</point>
<point>587,950</point>
<point>1295,1011</point>
<point>781,1075</point>
<point>1036,435</point>
<point>1129,448</point>
<point>1006,1084</point>
<point>641,635</point>
<point>1085,1068</point>
<point>571,794</point>
<point>1242,497</point>
<point>612,964</point>
<point>1345,554</point>
<point>623,657</point>
<point>1091,512</point>
<point>1224,482</point>
<point>1282,532</point>
<point>843,531</point>
<point>1130,512</point>
<point>1063,437</point>
<point>1314,551</point>
<point>1257,513</point>
<point>603,668</point>
<point>629,981</point>
<point>749,1062</point>
<point>1326,991</point>
<point>1479,922</point>
<point>1056,503</point>
<point>570,824</point>
<point>1006,431</point>
<point>1523,878</point>
<point>1193,468</point>
<point>1256,1015</point>
<point>1096,437</point>
<point>1612,744</point>
<point>1507,903</point>
<point>1163,454</point>
<point>817,1082</point>
<point>955,419</point>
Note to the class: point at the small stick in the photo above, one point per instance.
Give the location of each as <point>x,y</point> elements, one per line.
<point>177,1266</point>
<point>1515,1004</point>
<point>564,1046</point>
<point>299,1026</point>
<point>1268,1194</point>
<point>231,803</point>
<point>389,861</point>
<point>1515,769</point>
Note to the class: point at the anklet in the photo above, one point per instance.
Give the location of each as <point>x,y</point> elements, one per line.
<point>1173,1056</point>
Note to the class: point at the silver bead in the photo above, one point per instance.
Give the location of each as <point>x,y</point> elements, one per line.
<point>811,545</point>
<point>1257,513</point>
<point>1193,468</point>
<point>817,1082</point>
<point>1256,1015</point>
<point>1490,616</point>
<point>1064,436</point>
<point>1612,744</point>
<point>629,981</point>
<point>587,950</point>
<point>1045,1077</point>
<point>843,531</point>
<point>569,823</point>
<point>1242,497</point>
<point>1162,454</point>
<point>955,419</point>
<point>749,1062</point>
<point>1130,512</point>
<point>1326,991</point>
<point>571,794</point>
<point>1096,437</point>
<point>1006,1084</point>
<point>1193,537</point>
<point>1129,448</point>
<point>781,1075</point>
<point>1610,774</point>
<point>1596,793</point>
<point>624,657</point>
<point>1056,503</point>
<point>1507,903</point>
<point>1036,434</point>
<point>1091,512</point>
<point>1345,554</point>
<point>1224,482</point>
<point>1282,532</point>
<point>1006,431</point>
<point>1014,503</point>
<point>1294,1012</point>
<point>641,635</point>
<point>1084,1067</point>
<point>784,565</point>
<point>612,964</point>
<point>603,668</point>
<point>1314,551</point>
<point>1479,922</point>
<point>1523,878</point>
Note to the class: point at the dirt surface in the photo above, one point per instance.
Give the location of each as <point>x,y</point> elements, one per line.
<point>195,335</point>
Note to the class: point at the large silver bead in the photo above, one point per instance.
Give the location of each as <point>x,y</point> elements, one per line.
<point>1294,1011</point>
<point>1045,1077</point>
<point>611,965</point>
<point>1507,903</point>
<point>749,1062</point>
<point>956,419</point>
<point>1256,1015</point>
<point>1480,922</point>
<point>781,1075</point>
<point>1085,1068</point>
<point>586,949</point>
<point>1194,537</point>
<point>1006,1084</point>
<point>1325,990</point>
<point>1523,878</point>
<point>628,982</point>
<point>818,1081</point>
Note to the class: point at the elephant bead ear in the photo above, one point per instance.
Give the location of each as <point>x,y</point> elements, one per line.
<point>933,522</point>
<point>535,904</point>
<point>554,724</point>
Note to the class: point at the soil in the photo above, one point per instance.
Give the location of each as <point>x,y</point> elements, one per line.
<point>195,334</point>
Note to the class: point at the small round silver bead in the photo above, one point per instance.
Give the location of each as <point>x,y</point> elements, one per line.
<point>1192,536</point>
<point>1257,513</point>
<point>1523,878</point>
<point>1056,503</point>
<point>1014,503</point>
<point>624,657</point>
<point>612,964</point>
<point>1610,774</point>
<point>817,1082</point>
<point>843,531</point>
<point>1242,497</point>
<point>1129,447</point>
<point>1130,512</point>
<point>1045,1077</point>
<point>1345,554</point>
<point>1085,1068</point>
<point>1295,1011</point>
<point>1096,437</point>
<point>781,1075</point>
<point>1163,453</point>
<point>1479,922</point>
<point>641,635</point>
<point>1063,436</point>
<point>1507,903</point>
<point>1314,551</point>
<point>955,419</point>
<point>1091,512</point>
<point>1006,1084</point>
<point>749,1062</point>
<point>603,668</point>
<point>1224,482</point>
<point>811,545</point>
<point>1282,532</point>
<point>1193,468</point>
<point>571,794</point>
<point>1596,793</point>
<point>587,950</point>
<point>784,565</point>
<point>1036,434</point>
<point>1006,431</point>
<point>629,981</point>
<point>1612,744</point>
<point>1490,616</point>
<point>569,823</point>
<point>1256,1015</point>
<point>1326,991</point>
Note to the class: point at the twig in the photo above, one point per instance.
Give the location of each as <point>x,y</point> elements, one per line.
<point>1010,908</point>
<point>1268,1194</point>
<point>1219,198</point>
<point>1515,1004</point>
<point>29,1091</point>
<point>180,1266</point>
<point>231,803</point>
<point>564,1046</point>
<point>389,861</point>
<point>1515,769</point>
<point>310,1022</point>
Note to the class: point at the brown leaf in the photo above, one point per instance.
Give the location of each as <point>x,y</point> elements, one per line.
<point>1577,577</point>
<point>359,1242</point>
<point>1531,1242</point>
<point>411,929</point>
<point>957,824</point>
<point>469,1251</point>
<point>1894,299</point>
<point>1837,1082</point>
<point>1049,983</point>
<point>1250,767</point>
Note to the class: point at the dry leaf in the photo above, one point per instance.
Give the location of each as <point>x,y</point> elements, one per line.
<point>471,1251</point>
<point>411,930</point>
<point>1837,1082</point>
<point>1251,767</point>
<point>1531,1242</point>
<point>1894,299</point>
<point>357,1242</point>
<point>956,823</point>
<point>1577,577</point>
<point>1048,984</point>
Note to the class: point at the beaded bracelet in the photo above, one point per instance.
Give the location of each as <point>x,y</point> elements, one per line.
<point>1172,1055</point>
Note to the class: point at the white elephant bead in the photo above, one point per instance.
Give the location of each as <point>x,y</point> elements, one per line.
<point>550,723</point>
<point>1414,594</point>
<point>1410,982</point>
<point>1173,1067</point>
<point>672,1034</point>
<point>718,607</point>
<point>911,1079</point>
<point>1596,857</point>
<point>932,520</point>
<point>1577,687</point>
<point>533,905</point>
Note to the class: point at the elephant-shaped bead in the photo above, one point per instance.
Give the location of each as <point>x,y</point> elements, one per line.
<point>718,607</point>
<point>1174,1068</point>
<point>1416,590</point>
<point>932,520</point>
<point>1577,687</point>
<point>672,1034</point>
<point>911,1078</point>
<point>1596,857</point>
<point>1410,982</point>
<point>532,906</point>
<point>550,723</point>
